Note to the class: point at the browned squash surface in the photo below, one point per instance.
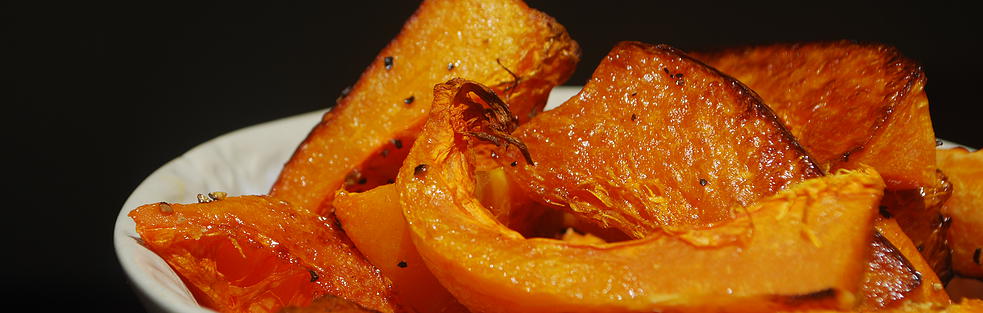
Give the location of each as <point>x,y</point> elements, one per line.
<point>656,139</point>
<point>259,254</point>
<point>847,103</point>
<point>919,213</point>
<point>519,51</point>
<point>806,248</point>
<point>374,221</point>
<point>897,274</point>
<point>965,171</point>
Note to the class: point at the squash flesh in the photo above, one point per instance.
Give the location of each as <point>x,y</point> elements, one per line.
<point>481,40</point>
<point>847,103</point>
<point>238,255</point>
<point>486,265</point>
<point>374,221</point>
<point>965,170</point>
<point>658,140</point>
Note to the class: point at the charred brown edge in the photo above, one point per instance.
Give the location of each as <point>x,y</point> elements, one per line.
<point>896,253</point>
<point>754,103</point>
<point>827,294</point>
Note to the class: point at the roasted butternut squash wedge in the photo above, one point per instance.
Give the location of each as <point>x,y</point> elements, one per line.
<point>965,171</point>
<point>897,274</point>
<point>654,140</point>
<point>374,221</point>
<point>848,103</point>
<point>519,51</point>
<point>490,268</point>
<point>259,254</point>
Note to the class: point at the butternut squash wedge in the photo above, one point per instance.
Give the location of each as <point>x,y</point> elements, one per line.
<point>259,254</point>
<point>374,221</point>
<point>853,103</point>
<point>965,171</point>
<point>519,51</point>
<point>489,268</point>
<point>656,139</point>
<point>848,103</point>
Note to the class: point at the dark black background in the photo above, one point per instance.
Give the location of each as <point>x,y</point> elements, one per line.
<point>105,93</point>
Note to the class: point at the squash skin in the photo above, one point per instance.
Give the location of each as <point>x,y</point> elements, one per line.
<point>473,35</point>
<point>374,221</point>
<point>965,170</point>
<point>606,153</point>
<point>490,268</point>
<point>848,104</point>
<point>259,254</point>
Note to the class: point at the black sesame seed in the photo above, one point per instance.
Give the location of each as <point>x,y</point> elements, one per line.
<point>409,100</point>
<point>514,163</point>
<point>314,276</point>
<point>402,264</point>
<point>884,212</point>
<point>976,256</point>
<point>920,248</point>
<point>450,66</point>
<point>420,170</point>
<point>938,142</point>
<point>665,69</point>
<point>634,116</point>
<point>388,61</point>
<point>398,143</point>
<point>679,75</point>
<point>703,182</point>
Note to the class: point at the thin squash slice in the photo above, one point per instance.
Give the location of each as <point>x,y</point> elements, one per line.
<point>490,268</point>
<point>259,254</point>
<point>519,51</point>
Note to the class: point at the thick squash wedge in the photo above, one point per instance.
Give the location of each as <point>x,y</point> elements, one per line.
<point>847,103</point>
<point>965,170</point>
<point>806,245</point>
<point>519,51</point>
<point>259,254</point>
<point>654,140</point>
<point>374,221</point>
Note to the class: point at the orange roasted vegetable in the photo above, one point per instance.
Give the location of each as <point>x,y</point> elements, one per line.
<point>374,221</point>
<point>806,245</point>
<point>847,103</point>
<point>259,254</point>
<point>656,139</point>
<point>519,51</point>
<point>965,170</point>
<point>897,274</point>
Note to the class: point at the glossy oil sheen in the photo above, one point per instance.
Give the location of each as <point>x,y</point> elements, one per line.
<point>258,254</point>
<point>847,103</point>
<point>491,268</point>
<point>656,139</point>
<point>484,40</point>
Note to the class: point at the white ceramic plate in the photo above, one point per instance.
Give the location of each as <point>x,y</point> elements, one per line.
<point>243,162</point>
